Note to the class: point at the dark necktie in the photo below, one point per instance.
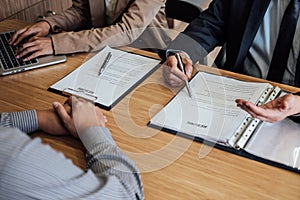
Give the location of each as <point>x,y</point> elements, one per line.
<point>284,42</point>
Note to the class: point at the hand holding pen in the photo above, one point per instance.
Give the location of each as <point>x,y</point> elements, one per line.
<point>181,67</point>
<point>172,73</point>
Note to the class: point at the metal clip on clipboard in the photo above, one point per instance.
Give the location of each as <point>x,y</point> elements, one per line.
<point>81,92</point>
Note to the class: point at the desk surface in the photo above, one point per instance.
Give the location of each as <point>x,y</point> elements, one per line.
<point>172,167</point>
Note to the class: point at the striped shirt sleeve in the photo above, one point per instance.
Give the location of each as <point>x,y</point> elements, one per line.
<point>110,175</point>
<point>104,157</point>
<point>26,120</point>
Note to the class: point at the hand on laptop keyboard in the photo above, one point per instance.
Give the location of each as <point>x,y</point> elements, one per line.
<point>40,29</point>
<point>7,53</point>
<point>36,45</point>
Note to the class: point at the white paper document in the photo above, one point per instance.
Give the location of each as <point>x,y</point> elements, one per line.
<point>123,72</point>
<point>212,115</point>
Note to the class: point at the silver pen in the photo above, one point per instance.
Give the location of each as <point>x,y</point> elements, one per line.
<point>187,84</point>
<point>104,64</point>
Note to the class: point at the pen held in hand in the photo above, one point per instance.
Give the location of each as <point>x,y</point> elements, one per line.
<point>187,84</point>
<point>104,64</point>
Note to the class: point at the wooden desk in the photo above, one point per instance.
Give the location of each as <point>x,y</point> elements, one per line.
<point>171,167</point>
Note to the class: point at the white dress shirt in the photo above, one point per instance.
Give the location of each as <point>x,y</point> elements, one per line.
<point>260,54</point>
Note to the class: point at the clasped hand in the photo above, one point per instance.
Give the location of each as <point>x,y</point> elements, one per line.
<point>72,117</point>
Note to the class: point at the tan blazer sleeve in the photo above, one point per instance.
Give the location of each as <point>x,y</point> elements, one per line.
<point>75,18</point>
<point>140,15</point>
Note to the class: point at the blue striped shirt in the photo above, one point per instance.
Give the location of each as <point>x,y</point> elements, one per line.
<point>32,170</point>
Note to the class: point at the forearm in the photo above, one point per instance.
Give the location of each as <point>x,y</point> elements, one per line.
<point>131,26</point>
<point>205,32</point>
<point>32,169</point>
<point>121,173</point>
<point>106,158</point>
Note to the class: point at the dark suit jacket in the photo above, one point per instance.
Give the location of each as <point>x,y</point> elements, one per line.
<point>234,22</point>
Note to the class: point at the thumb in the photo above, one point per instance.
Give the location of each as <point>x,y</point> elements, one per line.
<point>62,113</point>
<point>65,118</point>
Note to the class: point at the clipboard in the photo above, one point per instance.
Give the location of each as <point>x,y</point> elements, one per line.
<point>239,133</point>
<point>123,73</point>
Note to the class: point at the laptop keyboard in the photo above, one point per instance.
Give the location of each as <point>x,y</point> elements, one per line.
<point>7,53</point>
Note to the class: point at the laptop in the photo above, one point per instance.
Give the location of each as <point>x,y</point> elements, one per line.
<point>9,64</point>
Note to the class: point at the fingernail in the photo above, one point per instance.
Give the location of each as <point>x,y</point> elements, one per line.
<point>55,104</point>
